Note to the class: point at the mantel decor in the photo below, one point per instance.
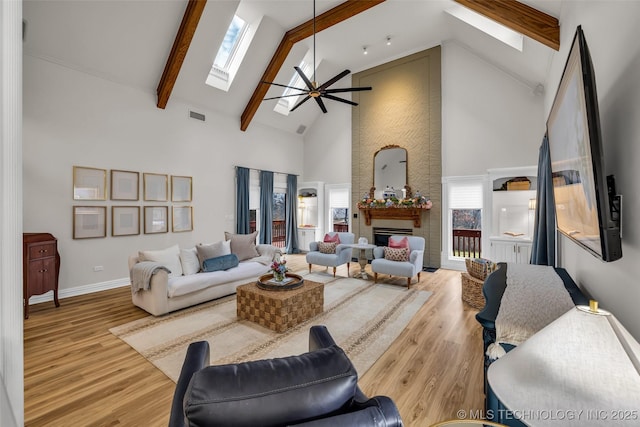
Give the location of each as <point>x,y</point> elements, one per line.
<point>392,208</point>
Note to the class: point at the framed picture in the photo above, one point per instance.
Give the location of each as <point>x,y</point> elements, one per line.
<point>89,222</point>
<point>125,220</point>
<point>182,219</point>
<point>180,188</point>
<point>124,185</point>
<point>89,183</point>
<point>156,219</point>
<point>156,187</point>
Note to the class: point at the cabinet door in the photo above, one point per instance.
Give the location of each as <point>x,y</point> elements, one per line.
<point>42,276</point>
<point>523,253</point>
<point>503,251</point>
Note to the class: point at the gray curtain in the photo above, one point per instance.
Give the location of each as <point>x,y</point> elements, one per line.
<point>266,207</point>
<point>290,215</point>
<point>242,200</point>
<point>543,251</point>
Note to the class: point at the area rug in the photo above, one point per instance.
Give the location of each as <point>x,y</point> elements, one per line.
<point>363,318</point>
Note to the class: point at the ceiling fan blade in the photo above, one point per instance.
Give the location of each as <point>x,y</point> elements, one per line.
<point>321,104</point>
<point>302,101</point>
<point>290,87</point>
<point>334,79</point>
<point>284,96</point>
<point>304,78</point>
<point>335,98</point>
<point>347,89</point>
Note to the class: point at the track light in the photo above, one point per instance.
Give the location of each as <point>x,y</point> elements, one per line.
<point>364,50</point>
<point>388,40</point>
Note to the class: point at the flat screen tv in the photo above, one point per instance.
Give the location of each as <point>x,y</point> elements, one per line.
<point>584,200</point>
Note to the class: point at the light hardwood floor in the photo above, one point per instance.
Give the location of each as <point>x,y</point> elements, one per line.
<point>78,374</point>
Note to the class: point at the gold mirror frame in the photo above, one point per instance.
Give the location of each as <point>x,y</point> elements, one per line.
<point>405,184</point>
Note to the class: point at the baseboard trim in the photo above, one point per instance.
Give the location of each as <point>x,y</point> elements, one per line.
<point>81,290</point>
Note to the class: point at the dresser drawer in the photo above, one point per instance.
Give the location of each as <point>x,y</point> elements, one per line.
<point>42,250</point>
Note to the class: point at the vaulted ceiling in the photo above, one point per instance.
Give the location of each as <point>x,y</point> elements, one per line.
<point>130,42</point>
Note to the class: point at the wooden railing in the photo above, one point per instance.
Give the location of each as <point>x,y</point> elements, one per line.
<point>340,226</point>
<point>467,243</point>
<point>278,232</point>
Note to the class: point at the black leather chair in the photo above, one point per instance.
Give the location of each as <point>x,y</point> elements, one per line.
<point>318,388</point>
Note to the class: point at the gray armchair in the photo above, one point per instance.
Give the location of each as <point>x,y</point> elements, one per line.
<point>407,269</point>
<point>342,255</point>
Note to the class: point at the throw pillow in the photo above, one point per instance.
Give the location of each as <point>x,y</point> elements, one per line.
<point>331,239</point>
<point>396,254</point>
<point>402,243</point>
<point>223,262</point>
<point>479,268</point>
<point>189,261</point>
<point>169,258</point>
<point>243,245</point>
<point>327,247</point>
<point>213,250</point>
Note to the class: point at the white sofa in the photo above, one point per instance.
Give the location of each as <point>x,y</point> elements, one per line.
<point>167,294</point>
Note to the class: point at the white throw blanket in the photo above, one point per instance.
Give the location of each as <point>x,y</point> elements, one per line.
<point>141,274</point>
<point>534,297</point>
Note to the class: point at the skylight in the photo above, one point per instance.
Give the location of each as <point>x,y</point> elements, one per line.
<point>285,104</point>
<point>488,26</point>
<point>231,52</point>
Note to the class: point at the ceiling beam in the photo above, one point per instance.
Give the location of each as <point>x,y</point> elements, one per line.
<point>179,50</point>
<point>331,17</point>
<point>520,18</point>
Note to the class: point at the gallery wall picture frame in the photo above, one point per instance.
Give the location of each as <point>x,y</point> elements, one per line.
<point>182,219</point>
<point>89,222</point>
<point>156,219</point>
<point>125,220</point>
<point>156,187</point>
<point>89,183</point>
<point>125,185</point>
<point>181,188</point>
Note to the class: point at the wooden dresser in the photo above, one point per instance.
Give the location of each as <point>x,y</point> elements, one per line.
<point>40,268</point>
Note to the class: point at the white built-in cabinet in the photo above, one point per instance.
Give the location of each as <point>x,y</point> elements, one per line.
<point>310,213</point>
<point>510,250</point>
<point>512,214</point>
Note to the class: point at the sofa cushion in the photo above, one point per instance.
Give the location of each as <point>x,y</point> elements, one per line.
<point>189,261</point>
<point>243,245</point>
<point>223,262</point>
<point>396,254</point>
<point>169,257</point>
<point>247,394</point>
<point>212,250</point>
<point>245,272</point>
<point>327,247</point>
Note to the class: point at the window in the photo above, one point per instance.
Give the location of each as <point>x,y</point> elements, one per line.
<point>284,105</point>
<point>488,26</point>
<point>231,52</point>
<point>464,206</point>
<point>338,197</point>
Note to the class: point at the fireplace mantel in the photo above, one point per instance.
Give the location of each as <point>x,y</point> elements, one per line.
<point>412,214</point>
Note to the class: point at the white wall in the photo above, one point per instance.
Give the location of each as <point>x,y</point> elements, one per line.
<point>327,146</point>
<point>489,119</point>
<point>72,118</point>
<point>611,32</point>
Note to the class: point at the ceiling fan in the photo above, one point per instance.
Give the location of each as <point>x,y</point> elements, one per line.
<point>313,90</point>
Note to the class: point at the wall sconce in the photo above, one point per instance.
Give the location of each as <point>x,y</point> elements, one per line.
<point>388,40</point>
<point>364,50</point>
<point>532,204</point>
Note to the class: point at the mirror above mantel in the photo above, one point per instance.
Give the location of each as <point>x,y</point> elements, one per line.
<point>390,172</point>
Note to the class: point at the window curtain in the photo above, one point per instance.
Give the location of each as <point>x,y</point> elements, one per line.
<point>543,250</point>
<point>291,223</point>
<point>266,207</point>
<point>242,200</point>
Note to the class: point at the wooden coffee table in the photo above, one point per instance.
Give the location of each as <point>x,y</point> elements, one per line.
<point>280,310</point>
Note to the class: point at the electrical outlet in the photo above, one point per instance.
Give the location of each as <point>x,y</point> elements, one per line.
<point>98,268</point>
